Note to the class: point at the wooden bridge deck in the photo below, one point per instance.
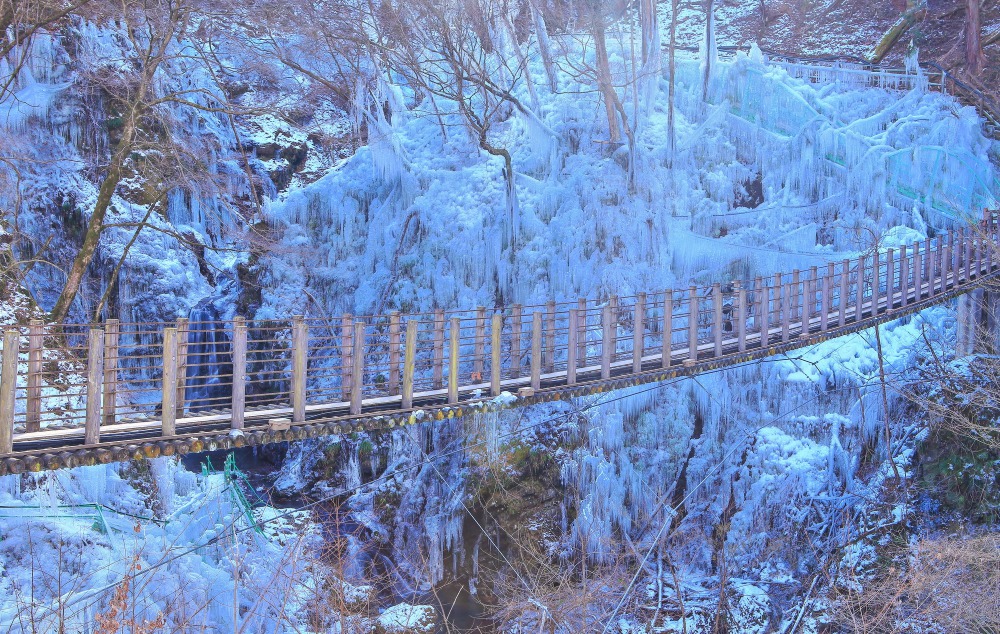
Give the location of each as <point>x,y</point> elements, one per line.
<point>128,391</point>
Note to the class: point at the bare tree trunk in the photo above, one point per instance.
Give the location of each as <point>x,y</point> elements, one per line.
<point>542,33</point>
<point>915,12</point>
<point>95,227</point>
<point>885,403</point>
<point>652,65</point>
<point>648,19</point>
<point>974,58</point>
<point>604,82</point>
<point>522,61</point>
<point>672,90</point>
<point>709,46</point>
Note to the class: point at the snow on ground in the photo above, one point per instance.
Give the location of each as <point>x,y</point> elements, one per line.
<point>173,540</point>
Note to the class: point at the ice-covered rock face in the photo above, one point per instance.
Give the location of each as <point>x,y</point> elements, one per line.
<point>416,220</point>
<point>60,129</point>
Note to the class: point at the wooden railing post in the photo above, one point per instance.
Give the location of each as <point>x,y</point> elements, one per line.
<point>989,242</point>
<point>536,350</point>
<point>168,407</point>
<point>809,305</point>
<point>36,341</point>
<point>844,293</point>
<point>183,328</point>
<point>394,353</point>
<point>438,349</point>
<point>717,318</point>
<point>967,239</point>
<point>638,332</point>
<point>890,284</point>
<point>454,352</point>
<point>764,315</point>
<point>859,295</point>
<point>972,253</point>
<point>940,262</point>
<point>758,291</point>
<point>794,296</point>
<point>692,325</point>
<point>786,318</point>
<point>904,275</point>
<point>8,388</point>
<point>668,329</point>
<point>346,354</point>
<point>496,372</point>
<point>918,272</point>
<point>780,301</point>
<point>607,342</point>
<point>960,253</point>
<point>516,332</point>
<point>358,371</point>
<point>948,267</point>
<point>409,361</point>
<point>825,295</point>
<point>581,335</point>
<point>936,267</point>
<point>239,402</point>
<point>571,360</point>
<point>95,389</point>
<point>112,330</point>
<point>877,276</point>
<point>740,315</point>
<point>549,352</point>
<point>979,252</point>
<point>615,316</point>
<point>479,348</point>
<point>928,271</point>
<point>300,349</point>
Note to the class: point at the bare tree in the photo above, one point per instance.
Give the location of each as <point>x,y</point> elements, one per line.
<point>709,45</point>
<point>146,111</point>
<point>974,57</point>
<point>544,48</point>
<point>450,56</point>
<point>672,88</point>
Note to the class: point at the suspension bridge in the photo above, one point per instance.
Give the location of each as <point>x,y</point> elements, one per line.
<point>73,395</point>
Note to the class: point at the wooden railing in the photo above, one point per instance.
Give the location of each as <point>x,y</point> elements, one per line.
<point>75,395</point>
<point>75,385</point>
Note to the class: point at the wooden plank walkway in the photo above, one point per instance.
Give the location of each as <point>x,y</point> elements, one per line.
<point>160,389</point>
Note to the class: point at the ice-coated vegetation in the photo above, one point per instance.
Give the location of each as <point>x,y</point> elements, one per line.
<point>783,167</point>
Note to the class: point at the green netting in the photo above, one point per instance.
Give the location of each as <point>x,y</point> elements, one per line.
<point>105,519</point>
<point>236,481</point>
<point>956,184</point>
<point>96,514</point>
<point>769,104</point>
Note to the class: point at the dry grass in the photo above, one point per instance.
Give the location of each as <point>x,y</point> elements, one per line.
<point>947,585</point>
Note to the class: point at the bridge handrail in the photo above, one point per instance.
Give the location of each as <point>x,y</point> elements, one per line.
<point>139,376</point>
<point>194,373</point>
